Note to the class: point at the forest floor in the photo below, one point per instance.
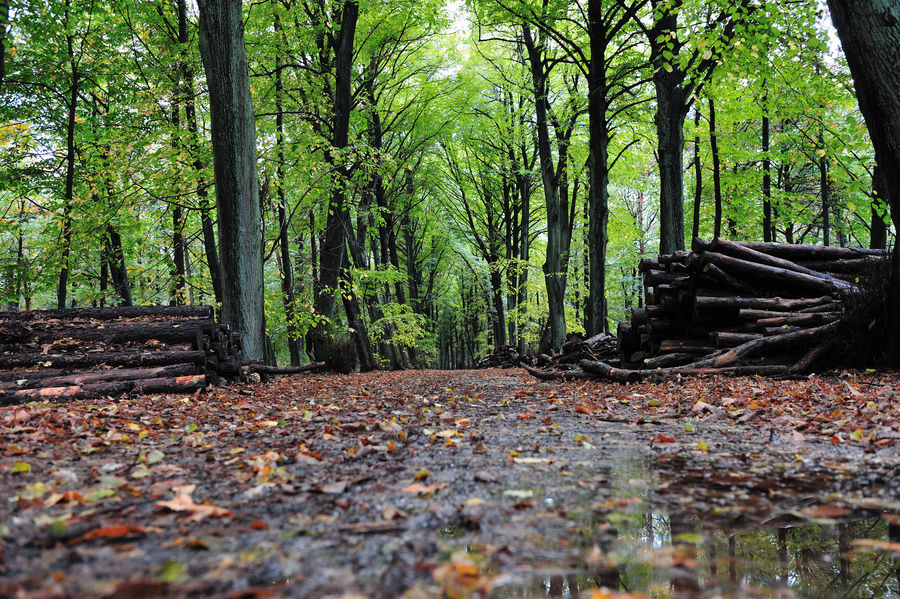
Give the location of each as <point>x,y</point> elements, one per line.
<point>454,484</point>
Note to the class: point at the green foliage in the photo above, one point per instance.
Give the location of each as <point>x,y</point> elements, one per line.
<point>441,174</point>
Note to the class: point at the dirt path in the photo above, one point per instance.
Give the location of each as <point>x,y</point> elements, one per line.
<point>417,484</point>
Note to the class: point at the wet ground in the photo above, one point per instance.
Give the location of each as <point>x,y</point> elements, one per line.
<point>462,484</point>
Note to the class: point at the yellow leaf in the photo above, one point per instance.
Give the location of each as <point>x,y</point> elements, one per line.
<point>702,445</point>
<point>21,468</point>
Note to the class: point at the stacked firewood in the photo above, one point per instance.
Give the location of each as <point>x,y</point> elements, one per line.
<point>737,308</point>
<point>575,349</point>
<point>60,354</point>
<point>505,357</point>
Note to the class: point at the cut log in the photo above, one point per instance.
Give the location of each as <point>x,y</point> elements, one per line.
<point>184,384</point>
<point>33,380</point>
<point>743,252</point>
<point>124,359</point>
<point>667,360</point>
<point>277,370</point>
<point>176,331</point>
<point>854,266</point>
<point>718,275</point>
<point>112,313</point>
<point>805,363</point>
<point>761,303</point>
<point>807,336</point>
<point>800,320</point>
<point>773,276</point>
<point>799,252</point>
<point>693,346</point>
<point>729,339</point>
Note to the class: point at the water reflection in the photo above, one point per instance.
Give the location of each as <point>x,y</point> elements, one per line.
<point>660,556</point>
<point>786,547</point>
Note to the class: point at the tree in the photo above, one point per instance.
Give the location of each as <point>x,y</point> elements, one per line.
<point>870,35</point>
<point>234,163</point>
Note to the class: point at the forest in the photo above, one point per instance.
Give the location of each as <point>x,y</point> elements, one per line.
<point>436,180</point>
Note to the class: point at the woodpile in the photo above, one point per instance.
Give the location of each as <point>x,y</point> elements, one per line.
<point>736,308</point>
<point>77,353</point>
<point>575,349</point>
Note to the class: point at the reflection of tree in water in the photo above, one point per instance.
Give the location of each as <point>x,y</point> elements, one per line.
<point>682,556</point>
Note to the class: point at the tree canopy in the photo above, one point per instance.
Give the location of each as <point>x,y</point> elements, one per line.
<point>434,181</point>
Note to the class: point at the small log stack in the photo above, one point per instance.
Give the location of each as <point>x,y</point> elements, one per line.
<point>88,352</point>
<point>736,308</point>
<point>575,349</point>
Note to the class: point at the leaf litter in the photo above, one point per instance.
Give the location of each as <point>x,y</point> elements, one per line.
<point>453,484</point>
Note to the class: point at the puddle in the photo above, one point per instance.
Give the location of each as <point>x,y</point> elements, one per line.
<point>654,536</point>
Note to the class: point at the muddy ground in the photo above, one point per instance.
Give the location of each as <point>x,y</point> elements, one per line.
<point>446,484</point>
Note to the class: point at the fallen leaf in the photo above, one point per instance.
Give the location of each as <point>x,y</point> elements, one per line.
<point>198,511</point>
<point>420,489</point>
<point>119,531</point>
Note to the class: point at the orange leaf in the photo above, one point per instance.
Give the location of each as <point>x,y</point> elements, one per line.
<point>525,415</point>
<point>660,438</point>
<point>582,409</point>
<point>198,511</point>
<point>117,531</point>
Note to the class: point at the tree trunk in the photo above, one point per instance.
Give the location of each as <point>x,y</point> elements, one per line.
<point>717,182</point>
<point>669,118</point>
<point>331,255</point>
<point>118,272</point>
<point>768,229</point>
<point>69,192</point>
<point>190,113</point>
<point>287,275</point>
<point>598,175</point>
<point>234,162</point>
<point>556,262</point>
<point>698,175</point>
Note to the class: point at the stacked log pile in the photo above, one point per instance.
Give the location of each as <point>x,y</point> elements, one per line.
<point>737,308</point>
<point>575,349</point>
<point>70,354</point>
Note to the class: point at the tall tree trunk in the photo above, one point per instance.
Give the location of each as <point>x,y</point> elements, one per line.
<point>69,192</point>
<point>698,175</point>
<point>331,255</point>
<point>179,280</point>
<point>598,173</point>
<point>190,112</point>
<point>287,275</point>
<point>825,190</point>
<point>768,231</point>
<point>354,320</point>
<point>234,163</point>
<point>717,180</point>
<point>668,82</point>
<point>118,271</point>
<point>870,35</point>
<point>556,262</point>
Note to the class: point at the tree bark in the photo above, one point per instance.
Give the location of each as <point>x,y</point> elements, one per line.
<point>234,162</point>
<point>598,181</point>
<point>558,229</point>
<point>768,229</point>
<point>287,274</point>
<point>190,112</point>
<point>698,176</point>
<point>331,254</point>
<point>125,359</point>
<point>69,191</point>
<point>717,181</point>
